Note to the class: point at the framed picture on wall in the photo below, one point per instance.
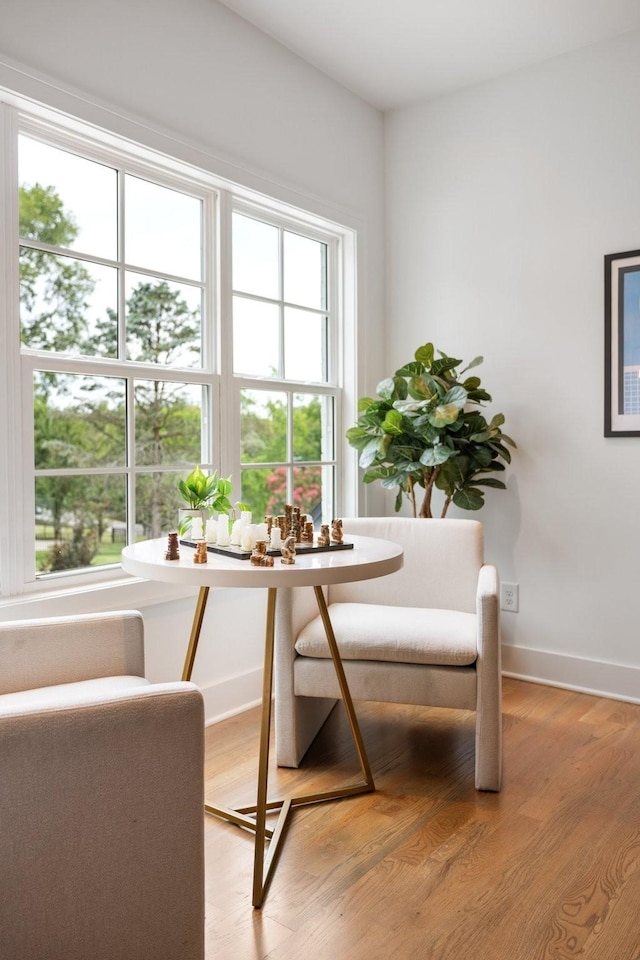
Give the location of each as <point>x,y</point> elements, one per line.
<point>622,344</point>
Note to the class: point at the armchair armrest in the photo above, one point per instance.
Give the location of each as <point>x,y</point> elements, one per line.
<point>487,609</point>
<point>38,653</point>
<point>489,693</point>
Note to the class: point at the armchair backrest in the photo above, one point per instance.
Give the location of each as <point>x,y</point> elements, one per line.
<point>442,560</point>
<point>46,652</point>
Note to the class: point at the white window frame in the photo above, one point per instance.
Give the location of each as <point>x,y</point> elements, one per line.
<point>331,387</point>
<point>16,393</point>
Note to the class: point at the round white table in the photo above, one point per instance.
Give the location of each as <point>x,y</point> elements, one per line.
<point>369,558</point>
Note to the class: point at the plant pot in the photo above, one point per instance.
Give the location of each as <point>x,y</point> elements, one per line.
<point>190,513</point>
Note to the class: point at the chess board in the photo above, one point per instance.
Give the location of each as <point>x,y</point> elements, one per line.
<point>239,554</point>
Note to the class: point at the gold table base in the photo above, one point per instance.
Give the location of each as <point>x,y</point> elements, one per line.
<point>254,817</point>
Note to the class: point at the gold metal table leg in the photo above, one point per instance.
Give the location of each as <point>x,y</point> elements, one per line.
<point>344,690</point>
<point>198,617</point>
<point>254,817</point>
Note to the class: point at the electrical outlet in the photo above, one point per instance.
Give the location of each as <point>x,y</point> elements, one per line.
<point>509,596</point>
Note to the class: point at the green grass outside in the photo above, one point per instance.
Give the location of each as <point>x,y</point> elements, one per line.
<point>108,552</point>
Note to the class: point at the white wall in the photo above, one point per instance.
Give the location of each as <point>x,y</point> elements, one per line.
<point>501,204</point>
<point>191,78</point>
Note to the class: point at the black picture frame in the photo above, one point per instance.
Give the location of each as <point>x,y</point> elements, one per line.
<point>622,344</point>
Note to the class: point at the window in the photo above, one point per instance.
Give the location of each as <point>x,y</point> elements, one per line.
<point>112,288</point>
<point>282,337</point>
<point>142,346</point>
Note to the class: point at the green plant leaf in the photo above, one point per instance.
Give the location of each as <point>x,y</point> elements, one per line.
<point>477,396</point>
<point>390,482</point>
<point>488,482</point>
<point>456,469</point>
<point>432,456</point>
<point>443,365</point>
<point>377,472</point>
<point>358,437</point>
<point>364,403</point>
<point>409,406</point>
<point>386,389</point>
<point>444,414</point>
<point>384,443</point>
<point>468,499</point>
<point>427,387</point>
<point>456,395</point>
<point>500,450</point>
<point>412,369</point>
<point>400,388</point>
<point>474,363</point>
<point>369,454</point>
<point>392,423</point>
<point>225,486</point>
<point>425,354</point>
<point>481,455</point>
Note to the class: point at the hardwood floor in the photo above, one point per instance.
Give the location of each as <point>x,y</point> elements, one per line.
<point>426,868</point>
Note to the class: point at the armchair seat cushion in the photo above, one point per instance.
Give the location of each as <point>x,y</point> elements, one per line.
<point>69,694</point>
<point>368,631</point>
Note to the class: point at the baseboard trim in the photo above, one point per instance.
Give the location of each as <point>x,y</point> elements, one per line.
<point>231,696</point>
<point>612,680</point>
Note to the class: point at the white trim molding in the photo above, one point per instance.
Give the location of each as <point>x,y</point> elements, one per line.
<point>616,681</point>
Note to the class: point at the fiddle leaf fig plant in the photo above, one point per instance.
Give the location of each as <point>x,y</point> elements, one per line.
<point>424,430</point>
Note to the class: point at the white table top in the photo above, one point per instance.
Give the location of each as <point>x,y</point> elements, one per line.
<point>369,558</point>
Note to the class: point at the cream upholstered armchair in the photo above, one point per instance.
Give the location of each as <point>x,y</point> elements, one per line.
<point>428,634</point>
<point>101,796</point>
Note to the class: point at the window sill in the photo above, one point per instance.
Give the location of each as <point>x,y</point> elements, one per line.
<point>125,593</point>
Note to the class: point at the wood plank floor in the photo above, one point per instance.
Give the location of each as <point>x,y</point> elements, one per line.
<point>426,868</point>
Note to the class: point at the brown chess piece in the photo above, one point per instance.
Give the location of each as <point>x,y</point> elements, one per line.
<point>200,556</point>
<point>324,537</point>
<point>260,557</point>
<point>336,531</point>
<point>173,548</point>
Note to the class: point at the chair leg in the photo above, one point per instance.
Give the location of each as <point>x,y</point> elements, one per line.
<point>489,750</point>
<point>298,724</point>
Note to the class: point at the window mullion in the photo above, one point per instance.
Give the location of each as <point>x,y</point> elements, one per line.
<point>13,462</point>
<point>131,459</point>
<point>227,426</point>
<point>281,369</point>
<point>122,322</point>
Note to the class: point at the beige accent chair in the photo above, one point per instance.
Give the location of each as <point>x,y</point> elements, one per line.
<point>428,634</point>
<point>101,796</point>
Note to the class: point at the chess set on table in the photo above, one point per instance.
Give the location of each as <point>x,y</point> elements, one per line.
<point>283,536</point>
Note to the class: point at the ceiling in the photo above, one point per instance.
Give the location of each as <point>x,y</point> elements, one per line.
<point>394,52</point>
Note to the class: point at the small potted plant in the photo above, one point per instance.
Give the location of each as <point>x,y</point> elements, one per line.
<point>424,430</point>
<point>205,495</point>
